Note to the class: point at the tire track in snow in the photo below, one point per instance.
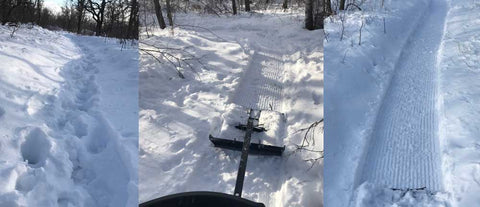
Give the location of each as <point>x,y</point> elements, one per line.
<point>404,149</point>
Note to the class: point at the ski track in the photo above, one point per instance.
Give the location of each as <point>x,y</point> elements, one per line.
<point>404,151</point>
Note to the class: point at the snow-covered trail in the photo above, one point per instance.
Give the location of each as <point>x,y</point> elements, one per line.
<point>61,147</point>
<point>267,57</point>
<point>404,149</point>
<point>109,171</point>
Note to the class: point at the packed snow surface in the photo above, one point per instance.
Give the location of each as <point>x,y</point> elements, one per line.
<point>404,151</point>
<point>262,61</point>
<point>385,111</point>
<point>68,120</point>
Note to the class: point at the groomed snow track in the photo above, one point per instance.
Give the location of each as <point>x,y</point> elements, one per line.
<point>404,149</point>
<point>261,86</point>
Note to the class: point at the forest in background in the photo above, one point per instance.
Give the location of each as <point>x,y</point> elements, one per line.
<point>110,18</point>
<point>315,10</point>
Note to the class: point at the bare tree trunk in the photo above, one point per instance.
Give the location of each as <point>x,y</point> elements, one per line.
<point>102,17</point>
<point>158,12</point>
<point>328,7</point>
<point>132,31</point>
<point>80,7</point>
<point>342,4</point>
<point>285,4</point>
<point>234,7</point>
<point>247,5</point>
<point>98,14</point>
<point>309,21</point>
<point>38,10</point>
<point>169,13</point>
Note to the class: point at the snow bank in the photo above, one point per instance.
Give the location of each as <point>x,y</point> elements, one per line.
<point>177,115</point>
<point>59,146</point>
<point>460,91</point>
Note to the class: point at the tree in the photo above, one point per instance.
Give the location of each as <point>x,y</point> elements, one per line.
<point>38,10</point>
<point>342,5</point>
<point>315,12</point>
<point>98,13</point>
<point>80,12</point>
<point>309,19</point>
<point>7,7</point>
<point>158,12</point>
<point>328,7</point>
<point>169,13</point>
<point>285,4</point>
<point>247,5</point>
<point>234,7</point>
<point>132,31</point>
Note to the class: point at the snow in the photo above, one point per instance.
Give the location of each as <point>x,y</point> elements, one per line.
<point>460,92</point>
<point>404,149</point>
<point>68,120</point>
<point>384,112</point>
<point>263,61</point>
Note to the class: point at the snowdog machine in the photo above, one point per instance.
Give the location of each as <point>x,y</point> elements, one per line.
<point>216,199</point>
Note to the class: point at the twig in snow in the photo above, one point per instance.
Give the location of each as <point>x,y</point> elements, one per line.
<point>309,140</point>
<point>179,73</point>
<point>177,57</point>
<point>342,19</point>
<point>309,130</point>
<point>360,36</point>
<point>314,161</point>
<point>353,4</point>
<point>15,28</point>
<point>345,56</point>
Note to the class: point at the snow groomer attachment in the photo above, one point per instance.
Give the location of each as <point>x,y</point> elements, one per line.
<point>200,199</point>
<point>246,147</point>
<point>253,148</point>
<point>215,199</point>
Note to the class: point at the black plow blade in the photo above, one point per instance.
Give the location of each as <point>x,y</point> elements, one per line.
<point>255,148</point>
<point>200,199</point>
<point>255,129</point>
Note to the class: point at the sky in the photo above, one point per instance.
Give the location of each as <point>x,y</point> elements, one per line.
<point>54,5</point>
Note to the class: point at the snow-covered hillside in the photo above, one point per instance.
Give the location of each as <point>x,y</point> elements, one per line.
<point>399,110</point>
<point>68,120</point>
<point>250,60</point>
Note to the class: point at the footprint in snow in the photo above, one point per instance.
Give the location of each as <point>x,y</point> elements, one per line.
<point>35,147</point>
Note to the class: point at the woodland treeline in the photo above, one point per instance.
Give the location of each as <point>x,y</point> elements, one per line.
<point>111,18</point>
<point>315,10</point>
